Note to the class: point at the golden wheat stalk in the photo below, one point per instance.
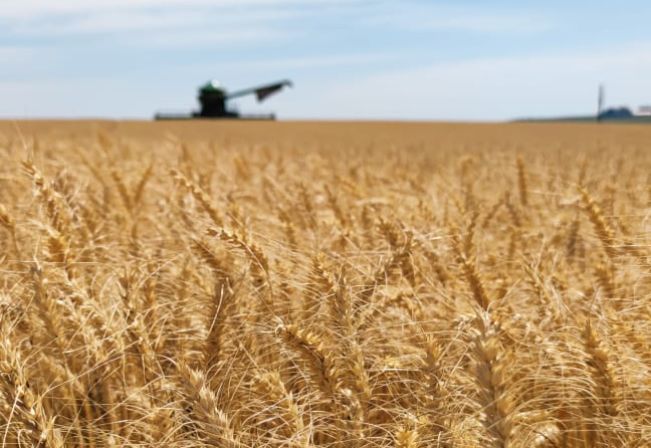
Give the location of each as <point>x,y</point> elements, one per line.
<point>26,408</point>
<point>214,426</point>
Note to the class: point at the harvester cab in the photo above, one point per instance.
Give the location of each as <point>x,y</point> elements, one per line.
<point>213,99</point>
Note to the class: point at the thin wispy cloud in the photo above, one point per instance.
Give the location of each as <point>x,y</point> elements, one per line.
<point>76,17</point>
<point>161,23</point>
<point>416,16</point>
<point>175,28</point>
<point>179,39</point>
<point>312,62</point>
<point>34,9</point>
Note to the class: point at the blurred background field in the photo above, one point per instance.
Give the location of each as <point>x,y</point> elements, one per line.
<point>332,133</point>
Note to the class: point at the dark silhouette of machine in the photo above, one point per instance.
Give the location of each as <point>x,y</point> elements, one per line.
<point>621,113</point>
<point>213,99</point>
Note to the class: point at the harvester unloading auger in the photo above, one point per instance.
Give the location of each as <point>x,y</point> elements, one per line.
<point>213,97</point>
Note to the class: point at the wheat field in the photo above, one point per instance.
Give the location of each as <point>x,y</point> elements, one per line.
<point>325,284</point>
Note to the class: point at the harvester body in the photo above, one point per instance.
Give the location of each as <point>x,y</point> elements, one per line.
<point>213,100</point>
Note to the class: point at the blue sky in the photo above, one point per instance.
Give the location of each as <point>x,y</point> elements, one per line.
<point>359,59</point>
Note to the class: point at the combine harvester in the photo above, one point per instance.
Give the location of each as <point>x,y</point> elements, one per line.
<point>213,97</point>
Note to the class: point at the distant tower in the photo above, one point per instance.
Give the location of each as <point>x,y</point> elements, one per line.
<point>602,99</point>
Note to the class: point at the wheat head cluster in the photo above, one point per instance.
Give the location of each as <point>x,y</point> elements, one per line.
<point>167,292</point>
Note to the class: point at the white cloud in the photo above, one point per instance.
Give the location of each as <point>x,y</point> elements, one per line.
<point>79,97</point>
<point>484,89</point>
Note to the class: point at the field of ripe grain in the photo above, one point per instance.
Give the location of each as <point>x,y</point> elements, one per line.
<point>325,284</point>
